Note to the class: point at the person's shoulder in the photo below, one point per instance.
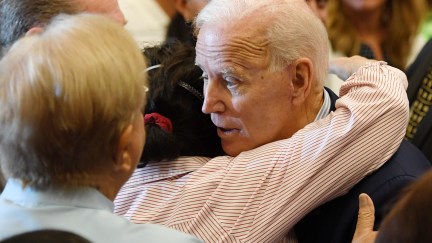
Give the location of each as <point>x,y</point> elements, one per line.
<point>404,167</point>
<point>119,229</point>
<point>410,159</point>
<point>157,233</point>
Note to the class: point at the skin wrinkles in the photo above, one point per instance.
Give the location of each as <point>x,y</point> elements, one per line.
<point>246,106</point>
<point>237,48</point>
<point>236,60</point>
<point>236,51</point>
<point>252,112</point>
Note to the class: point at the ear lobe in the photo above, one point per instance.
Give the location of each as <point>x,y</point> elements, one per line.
<point>122,158</point>
<point>302,76</point>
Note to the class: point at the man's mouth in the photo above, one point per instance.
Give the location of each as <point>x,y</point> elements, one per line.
<point>227,131</point>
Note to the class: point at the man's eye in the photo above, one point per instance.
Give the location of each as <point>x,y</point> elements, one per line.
<point>231,82</point>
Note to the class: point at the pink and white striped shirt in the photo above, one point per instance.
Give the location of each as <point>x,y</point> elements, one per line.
<point>261,194</point>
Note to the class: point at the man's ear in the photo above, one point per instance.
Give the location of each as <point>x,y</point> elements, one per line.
<point>122,157</point>
<point>302,75</point>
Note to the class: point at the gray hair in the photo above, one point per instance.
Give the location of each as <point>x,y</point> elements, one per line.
<point>18,16</point>
<point>293,30</point>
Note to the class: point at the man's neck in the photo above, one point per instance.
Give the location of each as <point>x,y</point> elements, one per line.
<point>325,105</point>
<point>311,109</point>
<point>316,105</point>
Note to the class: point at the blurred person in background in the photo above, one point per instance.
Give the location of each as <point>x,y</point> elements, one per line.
<point>180,27</point>
<point>377,29</point>
<point>427,25</point>
<point>419,74</point>
<point>19,16</point>
<point>320,9</point>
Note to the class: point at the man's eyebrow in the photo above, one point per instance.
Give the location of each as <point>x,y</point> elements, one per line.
<point>224,71</point>
<point>228,70</point>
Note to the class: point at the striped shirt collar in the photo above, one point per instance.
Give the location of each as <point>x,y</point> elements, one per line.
<point>325,108</point>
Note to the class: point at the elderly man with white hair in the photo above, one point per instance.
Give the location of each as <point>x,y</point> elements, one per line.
<point>263,67</point>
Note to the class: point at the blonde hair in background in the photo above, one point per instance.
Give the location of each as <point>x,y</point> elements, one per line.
<point>66,94</point>
<point>402,24</point>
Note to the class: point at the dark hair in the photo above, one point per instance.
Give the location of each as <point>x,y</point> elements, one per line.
<point>2,179</point>
<point>46,236</point>
<point>19,16</point>
<point>193,132</point>
<point>180,30</point>
<point>410,220</point>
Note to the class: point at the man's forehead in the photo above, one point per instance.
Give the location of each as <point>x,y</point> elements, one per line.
<point>217,40</point>
<point>225,52</point>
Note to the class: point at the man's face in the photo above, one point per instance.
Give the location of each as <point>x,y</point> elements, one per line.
<point>249,104</point>
<point>109,8</point>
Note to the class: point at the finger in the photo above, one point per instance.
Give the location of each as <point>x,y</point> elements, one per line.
<point>366,216</point>
<point>344,67</point>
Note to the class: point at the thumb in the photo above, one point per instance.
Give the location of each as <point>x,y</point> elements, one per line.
<point>365,222</point>
<point>340,67</point>
<point>344,67</point>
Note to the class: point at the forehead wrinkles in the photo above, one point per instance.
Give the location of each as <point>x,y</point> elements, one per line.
<point>235,49</point>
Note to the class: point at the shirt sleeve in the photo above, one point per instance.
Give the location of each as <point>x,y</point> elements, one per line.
<point>274,186</point>
<point>261,194</point>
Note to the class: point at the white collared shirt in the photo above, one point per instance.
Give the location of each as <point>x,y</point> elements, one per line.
<point>83,211</point>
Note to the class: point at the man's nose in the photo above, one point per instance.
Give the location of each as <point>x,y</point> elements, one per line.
<point>212,98</point>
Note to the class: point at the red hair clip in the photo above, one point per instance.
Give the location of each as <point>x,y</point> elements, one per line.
<point>156,118</point>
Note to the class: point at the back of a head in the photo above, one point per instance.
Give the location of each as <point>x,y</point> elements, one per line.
<point>18,16</point>
<point>410,220</point>
<point>66,94</point>
<point>176,92</point>
<point>292,28</point>
<point>46,236</point>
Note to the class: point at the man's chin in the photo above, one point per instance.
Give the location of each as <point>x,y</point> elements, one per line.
<point>233,149</point>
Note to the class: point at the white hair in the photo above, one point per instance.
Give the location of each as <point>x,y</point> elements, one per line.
<point>293,30</point>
